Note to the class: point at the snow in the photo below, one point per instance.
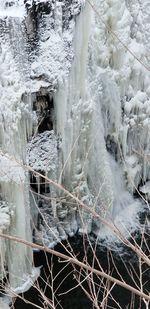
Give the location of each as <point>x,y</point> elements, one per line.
<point>42,152</point>
<point>53,51</point>
<point>12,12</point>
<point>17,10</point>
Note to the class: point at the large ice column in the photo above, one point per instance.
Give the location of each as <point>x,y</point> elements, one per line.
<point>79,104</point>
<point>15,125</point>
<point>19,257</point>
<point>15,191</point>
<point>72,120</point>
<point>71,95</point>
<point>99,173</point>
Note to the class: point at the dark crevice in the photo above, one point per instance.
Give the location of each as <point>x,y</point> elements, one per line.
<point>9,3</point>
<point>35,14</point>
<point>40,186</point>
<point>112,146</point>
<point>43,105</point>
<point>139,194</point>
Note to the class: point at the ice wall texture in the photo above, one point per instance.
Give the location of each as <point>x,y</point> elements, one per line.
<point>35,51</point>
<point>74,106</point>
<point>129,20</point>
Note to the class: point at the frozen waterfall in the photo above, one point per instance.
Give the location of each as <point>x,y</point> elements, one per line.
<point>75,107</point>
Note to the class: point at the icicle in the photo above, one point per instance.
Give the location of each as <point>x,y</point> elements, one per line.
<point>3,304</point>
<point>14,190</point>
<point>19,256</point>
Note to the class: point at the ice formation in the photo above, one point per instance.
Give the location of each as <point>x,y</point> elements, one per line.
<point>75,108</point>
<point>3,305</point>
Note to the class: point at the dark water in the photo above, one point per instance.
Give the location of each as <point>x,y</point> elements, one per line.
<point>121,262</point>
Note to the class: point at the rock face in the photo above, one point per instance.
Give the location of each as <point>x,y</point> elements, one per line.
<point>75,108</point>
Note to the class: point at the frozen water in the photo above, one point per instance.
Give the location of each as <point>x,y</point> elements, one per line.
<point>3,305</point>
<point>99,144</point>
